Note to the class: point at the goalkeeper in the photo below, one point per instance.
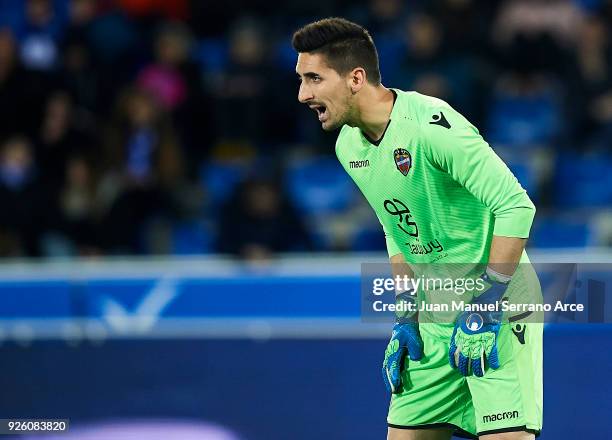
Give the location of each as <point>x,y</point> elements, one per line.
<point>446,202</point>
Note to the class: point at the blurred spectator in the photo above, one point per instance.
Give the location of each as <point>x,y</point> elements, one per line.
<point>206,91</point>
<point>428,69</point>
<point>385,21</point>
<point>13,88</point>
<point>537,35</point>
<point>592,90</point>
<point>58,138</point>
<point>81,17</point>
<point>76,211</point>
<point>424,69</point>
<point>78,74</point>
<point>381,17</point>
<point>533,18</point>
<point>82,13</point>
<point>22,217</point>
<point>243,87</point>
<point>163,78</point>
<point>259,221</point>
<point>39,35</point>
<point>176,83</point>
<point>113,37</point>
<point>244,104</point>
<point>116,49</point>
<point>466,24</point>
<point>144,169</point>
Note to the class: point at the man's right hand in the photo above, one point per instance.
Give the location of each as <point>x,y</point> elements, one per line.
<point>405,340</point>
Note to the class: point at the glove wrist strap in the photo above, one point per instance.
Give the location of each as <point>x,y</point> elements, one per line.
<point>409,313</point>
<point>493,294</point>
<point>497,276</point>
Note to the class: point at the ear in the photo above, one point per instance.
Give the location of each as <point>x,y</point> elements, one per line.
<point>357,79</point>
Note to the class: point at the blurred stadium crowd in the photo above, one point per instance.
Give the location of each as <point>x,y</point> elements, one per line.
<point>172,127</point>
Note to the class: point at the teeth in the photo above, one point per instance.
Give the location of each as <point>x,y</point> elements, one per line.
<point>320,109</point>
<point>321,115</point>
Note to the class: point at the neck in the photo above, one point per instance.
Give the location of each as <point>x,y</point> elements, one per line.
<point>374,107</point>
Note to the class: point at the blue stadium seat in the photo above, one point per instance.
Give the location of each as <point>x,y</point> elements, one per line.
<point>211,54</point>
<point>219,179</point>
<point>11,13</point>
<point>526,175</point>
<point>284,55</point>
<point>390,52</point>
<point>322,238</point>
<point>553,232</point>
<point>319,186</point>
<point>191,238</point>
<point>583,181</point>
<point>518,121</point>
<point>589,5</point>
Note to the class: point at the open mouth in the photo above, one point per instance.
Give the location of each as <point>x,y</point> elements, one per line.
<point>321,112</point>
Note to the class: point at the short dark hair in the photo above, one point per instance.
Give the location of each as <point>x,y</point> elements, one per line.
<point>345,45</point>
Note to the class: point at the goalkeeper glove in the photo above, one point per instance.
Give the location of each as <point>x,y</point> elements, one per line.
<point>405,339</point>
<point>474,340</point>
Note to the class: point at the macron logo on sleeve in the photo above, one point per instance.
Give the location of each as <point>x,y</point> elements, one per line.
<point>440,120</point>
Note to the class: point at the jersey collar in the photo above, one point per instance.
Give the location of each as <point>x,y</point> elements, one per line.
<point>393,110</point>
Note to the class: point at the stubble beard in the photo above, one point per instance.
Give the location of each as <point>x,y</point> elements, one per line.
<point>346,118</point>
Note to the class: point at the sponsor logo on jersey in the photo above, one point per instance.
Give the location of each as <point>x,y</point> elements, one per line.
<point>403,160</point>
<point>407,224</point>
<point>427,248</point>
<point>440,120</point>
<point>500,416</point>
<point>398,208</point>
<point>359,163</point>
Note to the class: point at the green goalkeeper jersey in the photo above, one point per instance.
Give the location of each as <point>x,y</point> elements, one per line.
<point>438,189</point>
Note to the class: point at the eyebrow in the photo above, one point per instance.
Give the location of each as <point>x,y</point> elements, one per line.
<point>308,75</point>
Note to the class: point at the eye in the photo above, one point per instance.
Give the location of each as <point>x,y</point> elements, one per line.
<point>316,78</point>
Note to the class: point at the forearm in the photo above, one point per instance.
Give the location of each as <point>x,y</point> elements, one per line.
<point>505,253</point>
<point>406,342</point>
<point>399,267</point>
<point>405,291</point>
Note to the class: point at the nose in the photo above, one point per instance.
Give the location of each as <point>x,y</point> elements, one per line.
<point>305,94</point>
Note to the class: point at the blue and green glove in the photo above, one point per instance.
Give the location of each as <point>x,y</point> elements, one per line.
<point>473,344</point>
<point>405,340</point>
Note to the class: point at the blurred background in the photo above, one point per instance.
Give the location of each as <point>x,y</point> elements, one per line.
<point>152,127</point>
<point>180,248</point>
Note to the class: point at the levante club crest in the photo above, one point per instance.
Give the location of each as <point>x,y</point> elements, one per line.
<point>403,160</point>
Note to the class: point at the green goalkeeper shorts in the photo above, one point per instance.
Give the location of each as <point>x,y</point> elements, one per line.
<point>507,399</point>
